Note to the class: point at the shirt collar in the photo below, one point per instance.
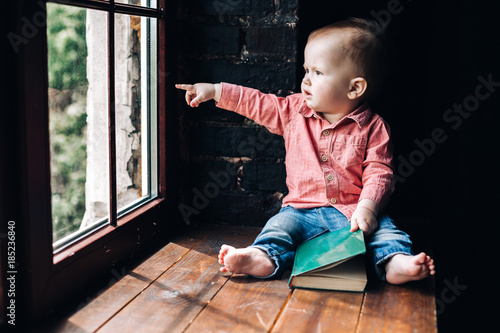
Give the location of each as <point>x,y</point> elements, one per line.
<point>361,115</point>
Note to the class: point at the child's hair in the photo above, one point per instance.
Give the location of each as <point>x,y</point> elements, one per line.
<point>364,47</point>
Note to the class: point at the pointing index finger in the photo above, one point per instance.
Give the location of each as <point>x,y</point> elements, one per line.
<point>184,86</point>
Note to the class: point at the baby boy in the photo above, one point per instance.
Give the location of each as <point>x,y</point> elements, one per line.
<point>338,156</point>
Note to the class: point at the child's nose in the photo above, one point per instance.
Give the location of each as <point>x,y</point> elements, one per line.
<point>306,80</point>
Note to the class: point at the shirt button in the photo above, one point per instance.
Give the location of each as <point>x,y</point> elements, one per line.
<point>326,132</point>
<point>333,200</point>
<point>329,177</point>
<point>324,158</point>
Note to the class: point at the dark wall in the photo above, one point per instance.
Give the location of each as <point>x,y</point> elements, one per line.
<point>440,99</point>
<point>235,171</point>
<point>463,173</point>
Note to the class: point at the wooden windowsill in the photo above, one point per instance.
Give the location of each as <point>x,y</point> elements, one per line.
<point>180,289</point>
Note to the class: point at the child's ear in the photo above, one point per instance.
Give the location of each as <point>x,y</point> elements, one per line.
<point>357,88</point>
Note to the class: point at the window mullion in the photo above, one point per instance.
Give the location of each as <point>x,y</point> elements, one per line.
<point>111,117</point>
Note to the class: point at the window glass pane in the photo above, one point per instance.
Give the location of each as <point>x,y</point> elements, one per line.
<point>135,86</point>
<point>77,65</point>
<point>144,3</point>
<point>78,107</point>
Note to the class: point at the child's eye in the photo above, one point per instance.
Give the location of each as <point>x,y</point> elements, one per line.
<point>318,73</point>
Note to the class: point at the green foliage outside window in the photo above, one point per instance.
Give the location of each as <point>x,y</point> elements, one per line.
<point>67,57</point>
<point>67,47</point>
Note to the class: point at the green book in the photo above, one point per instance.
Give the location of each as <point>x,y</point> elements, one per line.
<point>331,261</point>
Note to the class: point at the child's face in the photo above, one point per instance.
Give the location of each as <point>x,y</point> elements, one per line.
<point>327,77</point>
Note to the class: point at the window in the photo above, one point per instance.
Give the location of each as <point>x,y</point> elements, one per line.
<point>94,141</point>
<point>103,160</point>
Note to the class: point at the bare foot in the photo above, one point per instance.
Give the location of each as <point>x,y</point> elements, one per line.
<point>404,268</point>
<point>250,260</point>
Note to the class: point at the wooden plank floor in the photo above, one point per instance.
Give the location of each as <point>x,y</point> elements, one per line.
<point>180,289</point>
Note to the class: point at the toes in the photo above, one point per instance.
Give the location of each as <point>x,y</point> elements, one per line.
<point>223,252</point>
<point>224,249</point>
<point>420,258</point>
<point>430,265</point>
<point>224,255</point>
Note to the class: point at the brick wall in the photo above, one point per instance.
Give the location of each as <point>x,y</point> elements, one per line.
<point>232,170</point>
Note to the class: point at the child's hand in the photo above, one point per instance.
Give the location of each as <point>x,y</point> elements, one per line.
<point>363,219</point>
<point>200,92</point>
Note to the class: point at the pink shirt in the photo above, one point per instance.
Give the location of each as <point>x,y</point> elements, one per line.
<point>326,164</point>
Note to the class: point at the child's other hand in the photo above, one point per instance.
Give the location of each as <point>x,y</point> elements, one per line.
<point>200,92</point>
<point>364,219</point>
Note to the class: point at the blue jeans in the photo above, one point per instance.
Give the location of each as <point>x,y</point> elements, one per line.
<point>290,227</point>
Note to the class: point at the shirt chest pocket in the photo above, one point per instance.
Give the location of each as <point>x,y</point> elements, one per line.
<point>349,150</point>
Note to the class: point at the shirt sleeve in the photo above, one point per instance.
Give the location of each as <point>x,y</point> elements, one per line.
<point>268,110</point>
<point>377,167</point>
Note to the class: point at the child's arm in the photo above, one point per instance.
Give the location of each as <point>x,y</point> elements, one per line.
<point>377,179</point>
<point>200,92</point>
<point>365,216</point>
<point>268,110</point>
